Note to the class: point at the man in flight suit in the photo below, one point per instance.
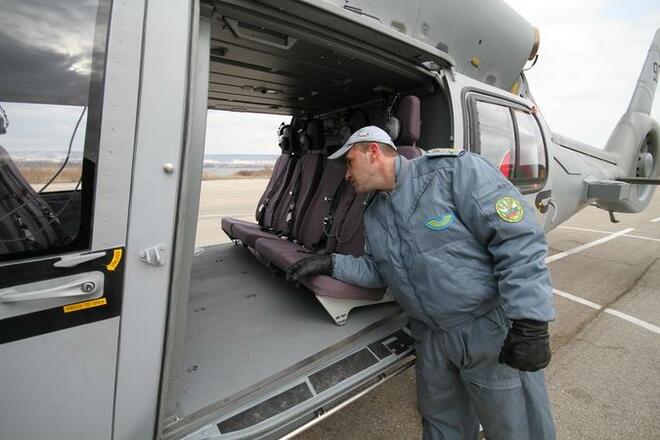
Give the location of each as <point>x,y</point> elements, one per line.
<point>460,250</point>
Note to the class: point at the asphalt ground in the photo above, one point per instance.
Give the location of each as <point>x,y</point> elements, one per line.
<point>604,379</point>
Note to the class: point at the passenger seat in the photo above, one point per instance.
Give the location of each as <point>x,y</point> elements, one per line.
<point>306,177</point>
<point>247,232</point>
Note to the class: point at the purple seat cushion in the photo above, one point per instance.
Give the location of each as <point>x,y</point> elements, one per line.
<point>323,285</point>
<point>283,254</point>
<point>280,252</point>
<point>228,224</point>
<point>249,233</point>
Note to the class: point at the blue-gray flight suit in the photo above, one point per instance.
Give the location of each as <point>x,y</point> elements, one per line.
<point>462,253</point>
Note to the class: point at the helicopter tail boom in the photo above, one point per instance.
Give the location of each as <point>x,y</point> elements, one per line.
<point>635,140</point>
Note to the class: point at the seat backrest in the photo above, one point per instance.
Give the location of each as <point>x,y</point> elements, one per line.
<point>267,207</point>
<point>409,116</point>
<point>408,113</point>
<point>310,232</point>
<point>346,236</point>
<point>284,141</point>
<point>305,176</point>
<point>311,173</point>
<point>27,222</point>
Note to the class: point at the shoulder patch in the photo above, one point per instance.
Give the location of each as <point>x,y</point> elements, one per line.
<point>444,152</point>
<point>509,209</point>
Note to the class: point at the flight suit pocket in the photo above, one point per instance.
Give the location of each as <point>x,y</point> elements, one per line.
<point>497,320</point>
<point>484,338</point>
<point>434,223</point>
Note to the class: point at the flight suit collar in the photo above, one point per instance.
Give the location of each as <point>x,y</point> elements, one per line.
<point>401,170</point>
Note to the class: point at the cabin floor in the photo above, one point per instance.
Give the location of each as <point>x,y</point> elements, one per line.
<point>246,324</point>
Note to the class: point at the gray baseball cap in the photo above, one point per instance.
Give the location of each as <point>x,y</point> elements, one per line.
<point>365,134</point>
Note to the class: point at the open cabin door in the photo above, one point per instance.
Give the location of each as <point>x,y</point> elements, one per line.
<point>65,171</point>
<point>281,23</point>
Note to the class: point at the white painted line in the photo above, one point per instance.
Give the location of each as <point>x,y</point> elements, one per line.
<point>577,249</point>
<point>655,220</point>
<point>584,229</point>
<point>632,319</point>
<point>577,299</point>
<point>641,238</point>
<point>609,232</point>
<point>624,316</point>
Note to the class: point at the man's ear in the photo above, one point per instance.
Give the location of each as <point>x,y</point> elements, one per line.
<point>374,151</point>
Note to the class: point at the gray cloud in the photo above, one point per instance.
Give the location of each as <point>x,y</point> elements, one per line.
<point>46,50</point>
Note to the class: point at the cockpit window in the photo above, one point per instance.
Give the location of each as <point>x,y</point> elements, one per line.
<point>531,164</point>
<point>496,136</point>
<point>52,62</point>
<point>510,138</point>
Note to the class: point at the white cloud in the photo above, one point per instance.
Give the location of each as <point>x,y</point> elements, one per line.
<point>591,55</point>
<point>242,133</point>
<point>42,127</point>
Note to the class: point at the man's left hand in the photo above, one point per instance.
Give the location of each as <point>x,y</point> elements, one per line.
<point>527,346</point>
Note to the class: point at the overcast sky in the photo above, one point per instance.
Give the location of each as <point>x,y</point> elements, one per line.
<point>591,54</point>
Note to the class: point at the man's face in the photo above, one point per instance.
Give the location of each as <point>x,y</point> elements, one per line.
<point>360,170</point>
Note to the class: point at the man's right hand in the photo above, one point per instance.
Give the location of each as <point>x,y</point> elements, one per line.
<point>527,346</point>
<point>314,265</point>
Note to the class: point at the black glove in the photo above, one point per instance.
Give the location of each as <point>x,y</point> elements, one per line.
<point>314,265</point>
<point>527,346</point>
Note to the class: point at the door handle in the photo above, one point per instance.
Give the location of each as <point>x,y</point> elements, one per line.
<point>79,285</point>
<point>74,260</point>
<point>551,202</point>
<point>286,44</point>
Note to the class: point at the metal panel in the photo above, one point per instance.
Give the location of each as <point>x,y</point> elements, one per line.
<point>118,125</point>
<point>154,190</point>
<point>364,27</point>
<point>327,62</point>
<point>488,39</point>
<point>193,158</point>
<point>67,400</point>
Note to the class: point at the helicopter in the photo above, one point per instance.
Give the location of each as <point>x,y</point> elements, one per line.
<point>113,325</point>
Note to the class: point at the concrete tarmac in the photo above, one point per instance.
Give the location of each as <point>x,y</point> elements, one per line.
<point>604,379</point>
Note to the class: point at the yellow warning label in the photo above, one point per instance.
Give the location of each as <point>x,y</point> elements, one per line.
<point>85,305</point>
<point>116,259</point>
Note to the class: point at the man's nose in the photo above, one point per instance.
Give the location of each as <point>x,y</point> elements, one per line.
<point>347,176</point>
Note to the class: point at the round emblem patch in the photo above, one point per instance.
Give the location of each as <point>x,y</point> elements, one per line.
<point>509,209</point>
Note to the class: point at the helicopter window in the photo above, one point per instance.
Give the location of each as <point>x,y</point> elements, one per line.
<point>51,65</point>
<point>497,136</point>
<point>531,163</point>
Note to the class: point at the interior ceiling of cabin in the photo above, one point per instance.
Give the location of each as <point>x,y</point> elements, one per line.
<point>291,76</point>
